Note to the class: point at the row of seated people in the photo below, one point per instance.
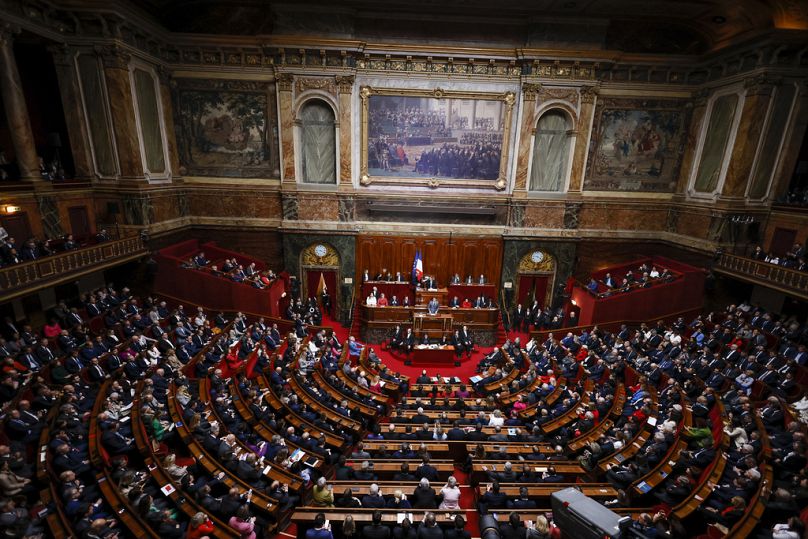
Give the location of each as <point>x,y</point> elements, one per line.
<point>403,340</point>
<point>652,338</point>
<point>12,252</point>
<point>115,439</point>
<point>643,277</point>
<point>67,448</point>
<point>684,370</point>
<point>363,465</point>
<point>238,450</point>
<point>233,270</point>
<point>794,258</point>
<point>427,528</point>
<point>426,282</point>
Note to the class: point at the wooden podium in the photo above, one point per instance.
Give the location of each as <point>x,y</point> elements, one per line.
<point>431,323</point>
<point>424,296</point>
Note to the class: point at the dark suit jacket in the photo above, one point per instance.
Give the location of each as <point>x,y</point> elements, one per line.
<point>375,531</point>
<point>423,498</point>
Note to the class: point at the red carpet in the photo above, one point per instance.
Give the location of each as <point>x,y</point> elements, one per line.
<point>395,361</point>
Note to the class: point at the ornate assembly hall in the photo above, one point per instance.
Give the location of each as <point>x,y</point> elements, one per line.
<point>403,270</point>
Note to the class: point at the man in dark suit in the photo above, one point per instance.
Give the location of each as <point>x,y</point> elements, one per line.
<point>507,474</point>
<point>376,530</point>
<point>429,528</point>
<point>423,497</point>
<point>492,499</point>
<point>523,501</point>
<point>426,470</point>
<point>374,500</point>
<point>115,442</point>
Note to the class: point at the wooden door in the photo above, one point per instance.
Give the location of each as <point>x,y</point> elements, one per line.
<point>17,226</point>
<point>782,241</point>
<point>79,222</point>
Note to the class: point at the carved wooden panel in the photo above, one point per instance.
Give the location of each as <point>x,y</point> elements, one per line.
<point>442,257</point>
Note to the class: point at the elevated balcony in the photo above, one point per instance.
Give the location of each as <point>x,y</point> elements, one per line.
<point>788,281</point>
<point>28,277</point>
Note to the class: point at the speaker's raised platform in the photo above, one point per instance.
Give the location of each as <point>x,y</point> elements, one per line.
<point>378,322</point>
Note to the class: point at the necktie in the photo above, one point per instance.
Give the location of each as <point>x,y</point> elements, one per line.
<point>32,361</point>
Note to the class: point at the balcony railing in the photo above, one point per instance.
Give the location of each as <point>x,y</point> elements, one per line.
<point>21,279</point>
<point>783,279</point>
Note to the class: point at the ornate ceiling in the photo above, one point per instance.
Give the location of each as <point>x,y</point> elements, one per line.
<point>640,26</point>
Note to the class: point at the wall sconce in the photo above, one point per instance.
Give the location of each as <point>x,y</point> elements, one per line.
<point>574,303</point>
<point>8,208</point>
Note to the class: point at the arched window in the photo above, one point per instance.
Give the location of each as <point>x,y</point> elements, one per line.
<point>551,149</point>
<point>318,162</point>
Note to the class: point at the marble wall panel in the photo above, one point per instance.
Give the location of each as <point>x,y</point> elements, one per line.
<point>622,217</point>
<point>718,134</point>
<point>234,203</point>
<point>544,216</point>
<point>317,207</point>
<point>694,224</point>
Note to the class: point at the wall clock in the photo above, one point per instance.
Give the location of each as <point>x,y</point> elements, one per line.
<point>320,250</point>
<point>537,257</point>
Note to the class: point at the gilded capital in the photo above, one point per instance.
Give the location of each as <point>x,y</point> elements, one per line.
<point>760,85</point>
<point>285,81</point>
<point>530,91</point>
<point>62,54</point>
<point>700,97</point>
<point>113,56</point>
<point>345,84</point>
<point>164,74</point>
<point>588,94</point>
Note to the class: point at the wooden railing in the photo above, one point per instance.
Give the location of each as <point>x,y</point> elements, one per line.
<point>754,271</point>
<point>21,279</point>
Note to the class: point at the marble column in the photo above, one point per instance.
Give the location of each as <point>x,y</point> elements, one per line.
<point>122,108</point>
<point>64,59</point>
<point>285,82</point>
<point>696,120</point>
<point>19,125</point>
<point>529,92</point>
<point>758,95</point>
<point>582,130</point>
<point>791,145</point>
<point>345,89</point>
<point>164,76</point>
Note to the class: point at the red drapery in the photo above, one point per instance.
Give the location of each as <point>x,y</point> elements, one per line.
<point>531,286</point>
<point>313,283</point>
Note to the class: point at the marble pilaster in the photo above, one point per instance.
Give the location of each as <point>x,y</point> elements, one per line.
<point>582,134</point>
<point>696,119</point>
<point>345,88</point>
<point>791,145</point>
<point>19,124</point>
<point>164,77</point>
<point>529,92</point>
<point>287,126</point>
<point>64,60</point>
<point>758,95</point>
<point>122,109</point>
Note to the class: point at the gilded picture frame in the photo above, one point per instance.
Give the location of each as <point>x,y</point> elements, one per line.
<point>479,147</point>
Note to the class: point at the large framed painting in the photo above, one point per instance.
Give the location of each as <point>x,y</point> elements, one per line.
<point>636,145</point>
<point>435,137</point>
<point>224,128</point>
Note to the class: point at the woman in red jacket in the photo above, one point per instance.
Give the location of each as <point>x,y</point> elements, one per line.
<point>200,527</point>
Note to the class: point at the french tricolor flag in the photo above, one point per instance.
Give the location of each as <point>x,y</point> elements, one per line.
<point>417,267</point>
